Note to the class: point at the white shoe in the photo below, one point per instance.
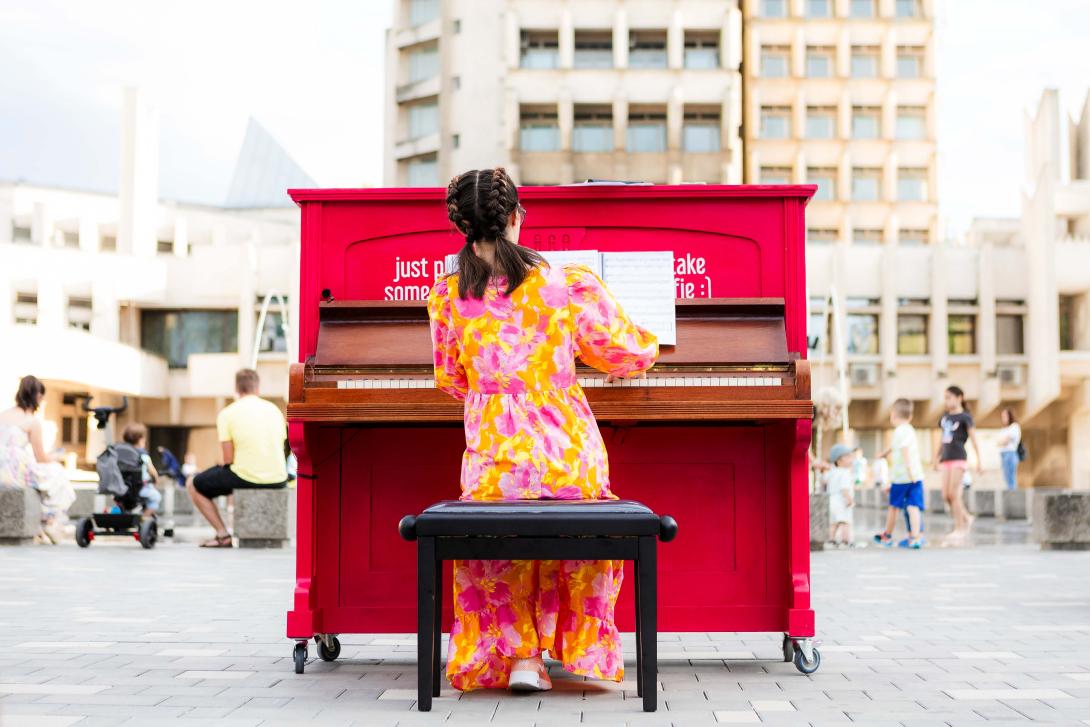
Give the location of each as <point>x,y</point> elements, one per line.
<point>526,676</point>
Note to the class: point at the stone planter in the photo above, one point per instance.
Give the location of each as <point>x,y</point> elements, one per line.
<point>20,515</point>
<point>1061,520</point>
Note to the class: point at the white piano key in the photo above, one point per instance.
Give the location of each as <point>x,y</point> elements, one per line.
<point>340,384</point>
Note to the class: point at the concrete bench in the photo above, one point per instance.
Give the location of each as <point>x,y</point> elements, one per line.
<point>1061,520</point>
<point>985,502</point>
<point>20,515</point>
<point>935,502</point>
<point>819,520</point>
<point>263,517</point>
<point>1014,504</point>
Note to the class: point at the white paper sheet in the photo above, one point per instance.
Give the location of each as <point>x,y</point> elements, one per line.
<point>643,283</point>
<point>591,258</point>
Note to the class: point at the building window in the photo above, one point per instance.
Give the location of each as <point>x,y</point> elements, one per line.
<point>866,122</point>
<point>79,313</point>
<point>21,234</point>
<point>912,334</point>
<point>176,334</point>
<point>107,243</point>
<point>862,8</point>
<point>456,25</point>
<point>819,8</point>
<point>911,185</point>
<point>862,333</point>
<point>700,132</point>
<point>1009,335</point>
<point>774,61</point>
<point>274,334</point>
<point>819,61</point>
<point>69,238</point>
<point>867,237</point>
<point>423,119</point>
<point>913,238</point>
<point>816,236</point>
<point>866,184</point>
<point>646,131</point>
<point>775,175</point>
<point>423,63</point>
<point>26,309</point>
<point>775,122</point>
<point>455,141</point>
<point>961,333</point>
<point>820,122</point>
<point>909,61</point>
<point>74,430</point>
<point>540,49</point>
<point>1067,322</point>
<point>539,130</point>
<point>825,179</point>
<point>701,50</point>
<point>164,247</point>
<point>773,8</point>
<point>423,11</point>
<point>817,331</point>
<point>593,49</point>
<point>593,130</point>
<point>647,49</point>
<point>908,8</point>
<point>911,122</point>
<point>864,61</point>
<point>423,171</point>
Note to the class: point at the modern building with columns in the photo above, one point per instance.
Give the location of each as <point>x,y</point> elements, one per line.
<point>561,91</point>
<point>112,295</point>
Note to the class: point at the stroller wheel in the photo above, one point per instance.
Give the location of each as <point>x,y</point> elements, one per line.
<point>85,532</point>
<point>149,533</point>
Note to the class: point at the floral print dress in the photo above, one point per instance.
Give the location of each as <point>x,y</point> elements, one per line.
<point>531,435</point>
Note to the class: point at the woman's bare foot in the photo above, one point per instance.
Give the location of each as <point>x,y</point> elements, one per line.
<point>529,675</point>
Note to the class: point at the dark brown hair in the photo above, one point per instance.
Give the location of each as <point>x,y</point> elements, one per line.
<point>903,409</point>
<point>246,381</point>
<point>1011,419</point>
<point>134,432</point>
<point>957,391</point>
<point>30,393</point>
<point>479,203</point>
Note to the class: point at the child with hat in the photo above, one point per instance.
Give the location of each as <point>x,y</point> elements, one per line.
<point>839,483</point>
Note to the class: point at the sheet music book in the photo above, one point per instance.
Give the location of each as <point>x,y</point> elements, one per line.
<point>643,283</point>
<point>591,258</point>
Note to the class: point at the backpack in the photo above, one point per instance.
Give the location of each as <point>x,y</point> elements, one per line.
<point>1022,453</point>
<point>120,474</point>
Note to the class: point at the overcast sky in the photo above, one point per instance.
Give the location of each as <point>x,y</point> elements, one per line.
<point>312,73</point>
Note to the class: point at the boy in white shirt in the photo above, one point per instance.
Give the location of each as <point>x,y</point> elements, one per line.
<point>906,475</point>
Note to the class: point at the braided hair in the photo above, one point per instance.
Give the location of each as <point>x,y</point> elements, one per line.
<point>479,203</point>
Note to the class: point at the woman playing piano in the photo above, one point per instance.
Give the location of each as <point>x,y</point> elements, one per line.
<point>506,329</point>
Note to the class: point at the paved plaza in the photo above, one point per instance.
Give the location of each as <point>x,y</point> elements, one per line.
<point>996,634</point>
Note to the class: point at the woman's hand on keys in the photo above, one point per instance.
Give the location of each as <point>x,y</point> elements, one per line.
<point>610,378</point>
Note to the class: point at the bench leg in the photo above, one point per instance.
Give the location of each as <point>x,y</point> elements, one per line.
<point>425,621</point>
<point>639,634</point>
<point>437,644</point>
<point>648,628</point>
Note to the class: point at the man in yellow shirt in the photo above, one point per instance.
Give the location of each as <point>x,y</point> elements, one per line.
<point>252,433</point>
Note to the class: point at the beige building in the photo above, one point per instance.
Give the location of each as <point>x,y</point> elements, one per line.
<point>108,295</point>
<point>561,91</point>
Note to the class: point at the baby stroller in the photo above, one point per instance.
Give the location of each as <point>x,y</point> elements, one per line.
<point>120,477</point>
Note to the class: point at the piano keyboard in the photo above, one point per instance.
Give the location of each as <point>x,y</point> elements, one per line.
<point>585,382</point>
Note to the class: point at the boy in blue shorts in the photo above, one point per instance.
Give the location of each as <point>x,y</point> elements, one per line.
<point>906,476</point>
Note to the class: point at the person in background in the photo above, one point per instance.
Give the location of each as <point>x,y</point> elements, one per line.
<point>906,477</point>
<point>1010,436</point>
<point>952,461</point>
<point>25,463</point>
<point>859,468</point>
<point>840,484</point>
<point>137,435</point>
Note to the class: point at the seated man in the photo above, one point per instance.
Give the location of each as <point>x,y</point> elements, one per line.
<point>252,433</point>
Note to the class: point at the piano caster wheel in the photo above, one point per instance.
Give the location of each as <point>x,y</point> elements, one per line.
<point>328,651</point>
<point>299,653</point>
<point>807,658</point>
<point>788,649</point>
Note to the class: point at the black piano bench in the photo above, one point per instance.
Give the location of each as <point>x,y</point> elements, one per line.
<point>535,530</point>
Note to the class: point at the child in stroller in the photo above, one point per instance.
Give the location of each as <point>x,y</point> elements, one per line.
<point>136,436</point>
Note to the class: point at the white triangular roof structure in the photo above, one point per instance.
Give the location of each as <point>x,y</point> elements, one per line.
<point>264,172</point>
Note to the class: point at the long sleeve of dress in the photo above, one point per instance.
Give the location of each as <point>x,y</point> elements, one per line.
<point>605,337</point>
<point>450,376</point>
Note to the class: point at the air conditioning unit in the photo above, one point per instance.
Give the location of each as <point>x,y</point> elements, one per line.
<point>863,374</point>
<point>1010,375</point>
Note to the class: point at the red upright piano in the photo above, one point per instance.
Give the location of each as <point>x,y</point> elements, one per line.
<point>721,444</point>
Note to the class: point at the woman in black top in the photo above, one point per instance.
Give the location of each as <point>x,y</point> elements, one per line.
<point>957,429</point>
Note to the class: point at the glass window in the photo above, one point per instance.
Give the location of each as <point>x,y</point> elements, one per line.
<point>912,185</point>
<point>774,8</point>
<point>909,62</point>
<point>866,184</point>
<point>961,333</point>
<point>423,119</point>
<point>700,133</point>
<point>593,49</point>
<point>1009,334</point>
<point>701,50</point>
<point>79,313</point>
<point>26,309</point>
<point>908,8</point>
<point>647,49</point>
<point>815,236</point>
<point>825,179</point>
<point>862,8</point>
<point>819,62</point>
<point>775,175</point>
<point>69,238</point>
<point>774,61</point>
<point>422,11</point>
<point>107,243</point>
<point>862,333</point>
<point>274,335</point>
<point>74,430</point>
<point>176,334</point>
<point>1067,322</point>
<point>867,237</point>
<point>646,132</point>
<point>775,122</point>
<point>423,63</point>
<point>912,334</point>
<point>819,8</point>
<point>164,247</point>
<point>539,131</point>
<point>866,122</point>
<point>423,171</point>
<point>540,49</point>
<point>820,122</point>
<point>817,337</point>
<point>864,62</point>
<point>911,122</point>
<point>21,234</point>
<point>593,131</point>
<point>913,237</point>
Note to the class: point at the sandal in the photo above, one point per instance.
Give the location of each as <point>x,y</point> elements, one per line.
<point>220,541</point>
